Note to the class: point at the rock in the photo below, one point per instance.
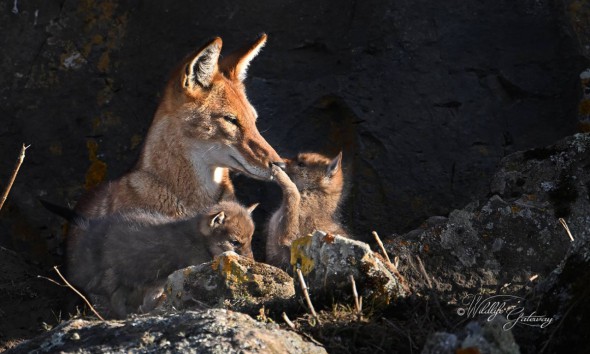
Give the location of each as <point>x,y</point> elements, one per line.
<point>503,241</point>
<point>230,281</point>
<point>563,296</point>
<point>554,178</point>
<point>489,338</point>
<point>327,261</point>
<point>211,331</point>
<point>440,343</point>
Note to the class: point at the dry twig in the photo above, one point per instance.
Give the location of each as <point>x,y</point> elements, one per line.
<point>392,266</point>
<point>51,280</point>
<point>77,292</point>
<point>381,246</point>
<point>19,161</point>
<point>423,271</point>
<point>357,303</point>
<point>567,229</point>
<point>288,321</point>
<point>306,294</point>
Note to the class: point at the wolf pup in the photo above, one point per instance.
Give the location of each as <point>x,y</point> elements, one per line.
<point>312,187</point>
<point>127,256</point>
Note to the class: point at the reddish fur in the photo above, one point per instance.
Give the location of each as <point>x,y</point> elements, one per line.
<point>174,174</point>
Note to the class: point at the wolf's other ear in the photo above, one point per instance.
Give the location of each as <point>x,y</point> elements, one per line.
<point>201,68</point>
<point>235,65</point>
<point>217,219</point>
<point>334,166</point>
<point>252,207</point>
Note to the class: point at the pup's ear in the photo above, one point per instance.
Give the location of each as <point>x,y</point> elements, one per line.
<point>252,207</point>
<point>334,166</point>
<point>217,219</point>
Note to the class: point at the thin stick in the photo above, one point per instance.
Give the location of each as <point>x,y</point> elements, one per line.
<point>306,294</point>
<point>357,304</point>
<point>381,245</point>
<point>567,229</point>
<point>288,321</point>
<point>423,270</point>
<point>79,293</point>
<point>392,266</point>
<point>51,280</point>
<point>292,325</point>
<point>396,261</point>
<point>19,161</point>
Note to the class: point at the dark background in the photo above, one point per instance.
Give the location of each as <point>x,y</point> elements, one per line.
<point>424,97</point>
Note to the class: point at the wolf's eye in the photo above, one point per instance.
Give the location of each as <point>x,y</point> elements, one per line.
<point>300,164</point>
<point>232,119</point>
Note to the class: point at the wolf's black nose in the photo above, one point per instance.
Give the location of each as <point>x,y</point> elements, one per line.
<point>280,164</point>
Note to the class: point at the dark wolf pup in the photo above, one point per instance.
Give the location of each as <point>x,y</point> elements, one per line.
<point>127,256</point>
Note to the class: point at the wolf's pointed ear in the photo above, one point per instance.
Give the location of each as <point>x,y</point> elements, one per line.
<point>235,65</point>
<point>217,219</point>
<point>334,166</point>
<point>201,68</point>
<point>252,207</point>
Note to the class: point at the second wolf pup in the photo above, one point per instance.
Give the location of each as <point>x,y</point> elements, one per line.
<point>312,187</point>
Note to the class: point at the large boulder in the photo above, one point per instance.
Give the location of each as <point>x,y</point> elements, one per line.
<point>211,331</point>
<point>504,241</point>
<point>229,281</point>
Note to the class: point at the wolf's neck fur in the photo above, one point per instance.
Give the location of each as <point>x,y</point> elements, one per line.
<point>183,169</point>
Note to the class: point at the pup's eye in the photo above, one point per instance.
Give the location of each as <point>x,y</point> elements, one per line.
<point>232,119</point>
<point>300,164</point>
<point>235,243</point>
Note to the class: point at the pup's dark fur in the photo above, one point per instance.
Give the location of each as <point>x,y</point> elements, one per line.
<point>128,256</point>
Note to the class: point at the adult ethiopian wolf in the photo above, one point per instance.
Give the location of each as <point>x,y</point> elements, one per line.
<point>203,126</point>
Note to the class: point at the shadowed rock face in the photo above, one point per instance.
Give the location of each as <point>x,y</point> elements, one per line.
<point>423,97</point>
<point>211,331</point>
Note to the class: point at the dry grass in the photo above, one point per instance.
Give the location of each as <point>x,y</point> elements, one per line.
<point>401,327</point>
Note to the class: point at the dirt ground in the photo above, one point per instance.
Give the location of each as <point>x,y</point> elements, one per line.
<point>28,304</point>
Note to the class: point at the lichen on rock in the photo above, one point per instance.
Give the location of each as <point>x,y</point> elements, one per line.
<point>230,281</point>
